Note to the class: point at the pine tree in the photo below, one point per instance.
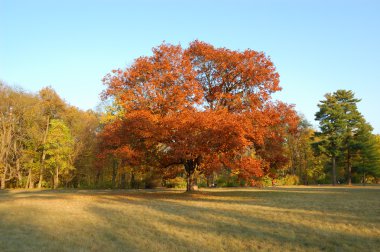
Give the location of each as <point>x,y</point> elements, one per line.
<point>340,123</point>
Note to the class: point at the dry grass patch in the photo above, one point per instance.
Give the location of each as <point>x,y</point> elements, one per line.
<point>278,219</point>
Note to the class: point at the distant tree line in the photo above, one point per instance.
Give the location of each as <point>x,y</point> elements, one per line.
<point>44,141</point>
<point>200,116</point>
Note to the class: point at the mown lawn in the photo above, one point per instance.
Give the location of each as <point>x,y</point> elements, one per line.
<point>242,219</point>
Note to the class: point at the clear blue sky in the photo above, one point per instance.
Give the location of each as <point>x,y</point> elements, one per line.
<point>317,46</point>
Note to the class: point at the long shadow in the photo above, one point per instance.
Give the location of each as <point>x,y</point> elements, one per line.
<point>318,199</point>
<point>302,199</point>
<point>255,198</point>
<point>147,239</point>
<point>174,206</point>
<point>253,228</point>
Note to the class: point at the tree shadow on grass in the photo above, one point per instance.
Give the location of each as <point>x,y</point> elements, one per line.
<point>168,220</point>
<point>223,224</point>
<point>338,201</point>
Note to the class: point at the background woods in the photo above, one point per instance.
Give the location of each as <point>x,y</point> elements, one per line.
<point>44,141</point>
<point>184,117</point>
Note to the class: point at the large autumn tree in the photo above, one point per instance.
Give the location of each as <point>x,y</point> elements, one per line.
<point>204,108</point>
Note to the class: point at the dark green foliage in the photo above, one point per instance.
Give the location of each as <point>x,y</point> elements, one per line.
<point>345,135</point>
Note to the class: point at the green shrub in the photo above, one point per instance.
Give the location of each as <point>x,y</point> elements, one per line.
<point>288,180</point>
<point>228,181</point>
<point>266,181</point>
<point>202,183</point>
<point>324,180</point>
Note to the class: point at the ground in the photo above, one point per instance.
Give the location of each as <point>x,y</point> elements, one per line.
<point>240,219</point>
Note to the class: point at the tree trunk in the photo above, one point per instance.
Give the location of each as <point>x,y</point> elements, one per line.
<point>190,167</point>
<point>334,170</point>
<point>349,167</point>
<point>29,180</point>
<point>349,175</point>
<point>363,178</point>
<point>56,178</point>
<point>114,172</point>
<point>18,171</point>
<point>123,180</point>
<point>41,178</point>
<point>3,177</point>
<point>132,182</point>
<point>2,181</point>
<point>189,181</point>
<point>293,169</point>
<point>43,153</point>
<point>97,177</point>
<point>305,169</point>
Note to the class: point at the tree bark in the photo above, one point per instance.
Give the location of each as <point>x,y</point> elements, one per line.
<point>334,170</point>
<point>349,167</point>
<point>56,178</point>
<point>5,148</point>
<point>123,180</point>
<point>364,179</point>
<point>189,182</point>
<point>29,181</point>
<point>3,177</point>
<point>114,172</point>
<point>190,167</point>
<point>2,182</point>
<point>19,175</point>
<point>305,168</point>
<point>97,177</point>
<point>132,181</point>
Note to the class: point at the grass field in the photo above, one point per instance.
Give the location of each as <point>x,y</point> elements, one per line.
<point>241,219</point>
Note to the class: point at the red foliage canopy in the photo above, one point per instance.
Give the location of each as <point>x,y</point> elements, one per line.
<point>205,108</point>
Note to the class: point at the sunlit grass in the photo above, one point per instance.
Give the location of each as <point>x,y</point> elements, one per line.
<point>276,219</point>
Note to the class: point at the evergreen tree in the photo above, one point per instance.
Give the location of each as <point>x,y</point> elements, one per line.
<point>367,162</point>
<point>331,125</point>
<point>344,131</point>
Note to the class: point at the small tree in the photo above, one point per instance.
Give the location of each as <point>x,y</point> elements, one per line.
<point>51,105</point>
<point>59,150</point>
